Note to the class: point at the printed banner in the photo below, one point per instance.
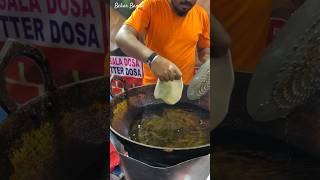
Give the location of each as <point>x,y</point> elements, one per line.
<point>71,24</point>
<point>126,67</point>
<point>70,33</point>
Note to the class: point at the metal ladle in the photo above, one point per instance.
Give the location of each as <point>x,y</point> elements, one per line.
<point>223,78</point>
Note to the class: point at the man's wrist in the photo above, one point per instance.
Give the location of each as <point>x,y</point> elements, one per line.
<point>205,58</point>
<point>152,58</point>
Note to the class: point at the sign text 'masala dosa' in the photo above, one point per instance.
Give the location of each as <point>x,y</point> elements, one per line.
<point>73,24</point>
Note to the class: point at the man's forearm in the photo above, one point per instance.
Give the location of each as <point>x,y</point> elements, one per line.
<point>204,54</point>
<point>128,42</point>
<point>221,40</point>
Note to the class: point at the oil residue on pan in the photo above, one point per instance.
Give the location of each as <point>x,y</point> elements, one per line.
<point>240,155</point>
<point>171,126</point>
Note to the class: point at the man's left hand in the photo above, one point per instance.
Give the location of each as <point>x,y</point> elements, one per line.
<point>204,55</point>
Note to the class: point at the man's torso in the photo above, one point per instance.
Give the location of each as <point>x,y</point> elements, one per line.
<point>247,21</point>
<point>174,37</point>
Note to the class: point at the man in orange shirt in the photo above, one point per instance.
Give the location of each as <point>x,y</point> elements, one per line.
<point>247,22</point>
<point>173,31</point>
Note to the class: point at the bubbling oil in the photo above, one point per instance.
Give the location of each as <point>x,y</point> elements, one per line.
<point>171,126</point>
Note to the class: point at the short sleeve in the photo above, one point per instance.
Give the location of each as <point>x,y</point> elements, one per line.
<point>204,39</point>
<point>140,17</point>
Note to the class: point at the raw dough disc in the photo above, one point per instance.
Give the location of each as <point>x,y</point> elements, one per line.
<point>169,91</point>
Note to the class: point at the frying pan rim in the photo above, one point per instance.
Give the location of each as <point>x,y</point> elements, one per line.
<point>158,147</point>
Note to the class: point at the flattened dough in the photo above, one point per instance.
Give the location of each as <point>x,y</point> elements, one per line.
<point>169,91</point>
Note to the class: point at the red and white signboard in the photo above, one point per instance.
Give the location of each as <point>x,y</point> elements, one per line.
<point>129,69</point>
<point>126,67</point>
<point>71,34</point>
<point>72,24</point>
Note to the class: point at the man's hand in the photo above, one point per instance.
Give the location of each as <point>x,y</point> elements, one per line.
<point>204,55</point>
<point>165,70</point>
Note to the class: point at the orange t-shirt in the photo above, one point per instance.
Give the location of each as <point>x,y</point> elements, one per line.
<point>171,36</point>
<point>247,22</point>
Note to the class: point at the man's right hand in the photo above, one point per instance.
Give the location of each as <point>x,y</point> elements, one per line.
<point>165,70</point>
